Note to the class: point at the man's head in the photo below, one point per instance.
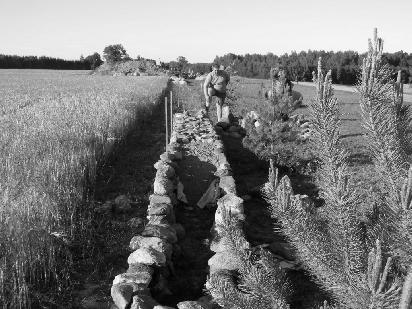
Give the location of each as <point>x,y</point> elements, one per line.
<point>215,67</point>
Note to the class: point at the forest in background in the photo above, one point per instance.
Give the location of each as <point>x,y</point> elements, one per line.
<point>345,66</point>
<point>43,62</point>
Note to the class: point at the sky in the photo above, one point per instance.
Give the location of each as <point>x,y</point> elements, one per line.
<point>200,30</point>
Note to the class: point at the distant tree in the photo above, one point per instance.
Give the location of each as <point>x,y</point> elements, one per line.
<point>93,60</point>
<point>115,53</point>
<point>182,63</point>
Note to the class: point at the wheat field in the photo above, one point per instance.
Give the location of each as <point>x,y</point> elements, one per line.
<point>55,128</point>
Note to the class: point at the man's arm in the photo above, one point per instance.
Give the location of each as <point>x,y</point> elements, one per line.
<point>208,79</point>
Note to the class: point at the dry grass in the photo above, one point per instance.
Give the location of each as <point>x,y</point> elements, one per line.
<point>55,128</point>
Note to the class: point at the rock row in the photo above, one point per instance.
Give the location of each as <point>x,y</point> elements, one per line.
<point>150,263</point>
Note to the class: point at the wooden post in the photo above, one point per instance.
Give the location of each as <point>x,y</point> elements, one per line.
<point>171,112</point>
<point>167,125</point>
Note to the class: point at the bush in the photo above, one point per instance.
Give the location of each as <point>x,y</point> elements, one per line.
<point>275,135</point>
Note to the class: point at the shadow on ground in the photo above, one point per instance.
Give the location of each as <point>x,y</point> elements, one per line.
<point>250,172</point>
<point>128,171</point>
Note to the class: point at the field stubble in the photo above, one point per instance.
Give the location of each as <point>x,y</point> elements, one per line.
<point>56,129</point>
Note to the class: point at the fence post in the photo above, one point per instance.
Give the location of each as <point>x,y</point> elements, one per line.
<point>167,125</point>
<point>171,112</point>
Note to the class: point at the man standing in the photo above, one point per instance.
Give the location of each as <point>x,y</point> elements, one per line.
<point>215,85</point>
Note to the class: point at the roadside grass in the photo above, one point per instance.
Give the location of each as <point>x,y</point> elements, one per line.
<point>56,129</point>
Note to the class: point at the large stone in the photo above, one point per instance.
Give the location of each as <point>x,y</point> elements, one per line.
<point>163,186</point>
<point>227,183</point>
<point>173,147</point>
<point>143,302</point>
<point>156,243</point>
<point>159,220</point>
<point>231,202</point>
<point>142,278</point>
<point>122,203</point>
<point>236,216</point>
<point>162,231</point>
<point>162,162</point>
<point>165,171</point>
<point>159,199</point>
<point>224,166</point>
<point>219,144</point>
<point>167,157</point>
<point>138,268</point>
<point>191,305</point>
<point>222,159</point>
<point>148,256</point>
<point>225,260</point>
<point>159,209</point>
<point>122,295</point>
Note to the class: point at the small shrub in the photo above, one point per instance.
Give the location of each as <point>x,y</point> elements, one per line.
<point>275,135</point>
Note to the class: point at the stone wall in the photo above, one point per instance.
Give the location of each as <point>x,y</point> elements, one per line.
<point>150,263</point>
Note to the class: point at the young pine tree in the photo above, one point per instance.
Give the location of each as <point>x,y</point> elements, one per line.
<point>330,240</point>
<point>274,136</point>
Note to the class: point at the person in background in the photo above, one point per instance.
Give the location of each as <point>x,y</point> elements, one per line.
<point>215,85</point>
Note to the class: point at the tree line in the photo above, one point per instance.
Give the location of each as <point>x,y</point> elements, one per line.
<point>43,62</point>
<point>345,65</point>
